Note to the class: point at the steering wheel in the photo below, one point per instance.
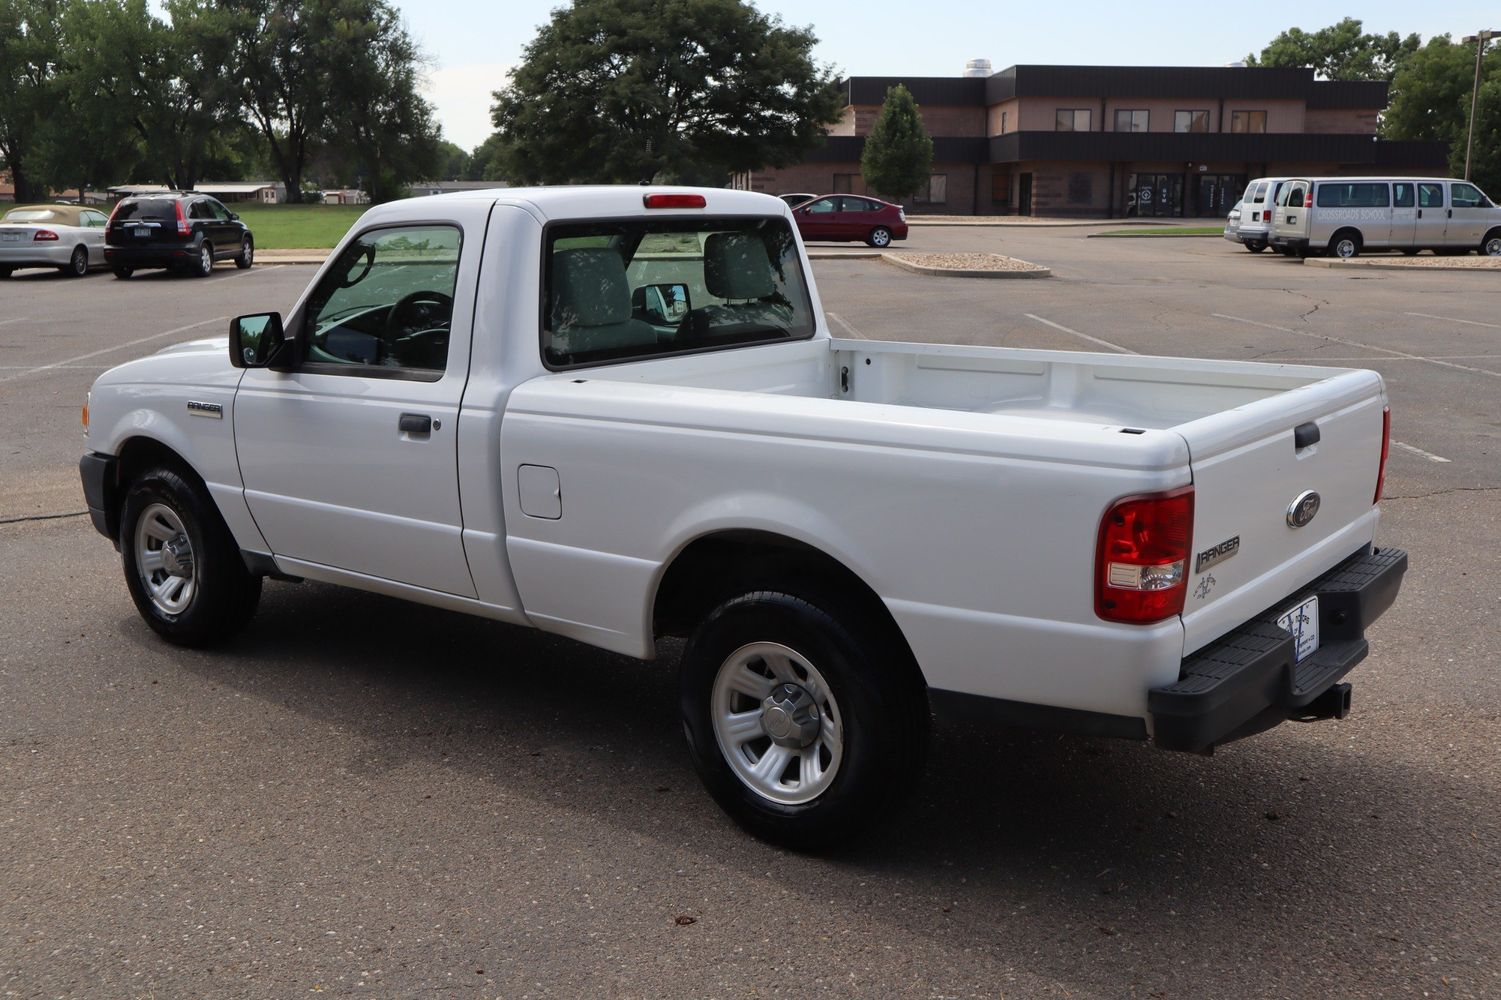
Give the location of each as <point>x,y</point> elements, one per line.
<point>417,326</point>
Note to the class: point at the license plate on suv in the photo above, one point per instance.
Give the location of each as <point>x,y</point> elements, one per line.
<point>1302,621</point>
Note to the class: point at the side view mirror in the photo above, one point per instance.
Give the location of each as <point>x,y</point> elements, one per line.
<point>667,303</point>
<point>235,216</point>
<point>257,341</point>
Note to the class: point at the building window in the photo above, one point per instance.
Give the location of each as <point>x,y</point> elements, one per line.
<point>1248,121</point>
<point>1003,123</point>
<point>1130,121</point>
<point>1072,120</point>
<point>1191,121</point>
<point>844,183</point>
<point>936,192</point>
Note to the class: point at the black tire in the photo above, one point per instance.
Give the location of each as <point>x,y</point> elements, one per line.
<point>1256,247</point>
<point>1491,245</point>
<point>123,272</point>
<point>78,264</point>
<point>246,256</point>
<point>224,593</point>
<point>1344,244</point>
<point>5,272</point>
<point>880,238</point>
<point>204,265</point>
<point>1409,252</point>
<point>881,703</point>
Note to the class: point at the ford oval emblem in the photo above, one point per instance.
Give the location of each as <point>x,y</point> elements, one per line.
<point>1303,509</point>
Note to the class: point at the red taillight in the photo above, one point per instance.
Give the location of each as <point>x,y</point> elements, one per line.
<point>1141,563</point>
<point>182,223</point>
<point>114,212</point>
<point>674,201</point>
<point>44,236</point>
<point>1386,446</point>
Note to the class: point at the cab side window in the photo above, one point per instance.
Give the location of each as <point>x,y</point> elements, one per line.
<point>823,205</point>
<point>1466,196</point>
<point>1430,196</point>
<point>385,307</point>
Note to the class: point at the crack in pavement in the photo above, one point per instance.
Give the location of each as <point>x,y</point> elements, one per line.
<point>1441,493</point>
<point>1304,295</point>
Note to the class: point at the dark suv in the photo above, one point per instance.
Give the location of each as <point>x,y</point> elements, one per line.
<point>179,230</point>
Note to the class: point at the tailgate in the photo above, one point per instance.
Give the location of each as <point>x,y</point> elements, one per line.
<point>1248,471</point>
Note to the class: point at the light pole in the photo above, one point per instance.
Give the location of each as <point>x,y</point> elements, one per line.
<point>1479,40</point>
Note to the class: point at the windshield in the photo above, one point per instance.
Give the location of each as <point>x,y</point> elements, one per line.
<point>619,290</point>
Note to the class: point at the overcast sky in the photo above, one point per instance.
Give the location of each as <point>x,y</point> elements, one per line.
<point>472,43</point>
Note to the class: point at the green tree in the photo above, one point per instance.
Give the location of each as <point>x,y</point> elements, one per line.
<point>898,156</point>
<point>629,90</point>
<point>1431,100</point>
<point>1342,51</point>
<point>453,162</point>
<point>485,161</point>
<point>383,128</point>
<point>28,90</point>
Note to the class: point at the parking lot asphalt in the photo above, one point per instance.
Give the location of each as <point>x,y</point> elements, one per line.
<point>365,798</point>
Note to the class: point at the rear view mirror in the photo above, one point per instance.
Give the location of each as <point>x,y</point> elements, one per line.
<point>256,341</point>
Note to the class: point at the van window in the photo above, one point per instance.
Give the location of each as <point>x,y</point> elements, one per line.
<point>1466,196</point>
<point>1291,196</point>
<point>1335,194</point>
<point>1430,196</point>
<point>1402,196</point>
<point>1250,190</point>
<point>1260,196</point>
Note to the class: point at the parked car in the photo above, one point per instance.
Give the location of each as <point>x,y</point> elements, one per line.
<point>66,237</point>
<point>1232,224</point>
<point>618,415</point>
<point>1257,206</point>
<point>845,217</point>
<point>178,230</point>
<point>797,198</point>
<point>1344,216</point>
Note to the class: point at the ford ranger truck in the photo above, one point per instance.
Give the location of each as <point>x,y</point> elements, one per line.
<point>617,414</point>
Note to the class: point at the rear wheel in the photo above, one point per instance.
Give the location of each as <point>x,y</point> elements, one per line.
<point>879,237</point>
<point>246,256</point>
<point>1491,245</point>
<point>1256,247</point>
<point>182,566</point>
<point>1346,244</point>
<point>205,263</point>
<point>123,272</point>
<point>5,272</point>
<point>78,264</point>
<point>804,719</point>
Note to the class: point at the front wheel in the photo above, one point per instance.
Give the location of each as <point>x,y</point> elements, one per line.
<point>1491,245</point>
<point>879,237</point>
<point>803,719</point>
<point>182,566</point>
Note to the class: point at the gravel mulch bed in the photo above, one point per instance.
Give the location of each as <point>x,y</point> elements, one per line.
<point>966,261</point>
<point>1432,263</point>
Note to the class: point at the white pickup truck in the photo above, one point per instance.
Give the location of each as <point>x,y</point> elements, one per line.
<point>617,414</point>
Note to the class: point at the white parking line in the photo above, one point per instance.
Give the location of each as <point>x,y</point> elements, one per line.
<point>18,319</point>
<point>847,328</point>
<point>1451,319</point>
<point>1076,333</point>
<point>1419,451</point>
<point>117,347</point>
<point>264,268</point>
<point>1355,343</point>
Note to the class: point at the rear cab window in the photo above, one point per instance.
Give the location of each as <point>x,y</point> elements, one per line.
<point>147,208</point>
<point>627,289</point>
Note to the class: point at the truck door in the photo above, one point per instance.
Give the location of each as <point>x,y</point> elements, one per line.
<point>350,461</point>
<point>1470,215</point>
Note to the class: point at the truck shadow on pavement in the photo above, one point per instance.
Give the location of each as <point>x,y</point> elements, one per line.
<point>1067,856</point>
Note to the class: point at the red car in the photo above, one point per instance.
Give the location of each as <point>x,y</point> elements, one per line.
<point>844,217</point>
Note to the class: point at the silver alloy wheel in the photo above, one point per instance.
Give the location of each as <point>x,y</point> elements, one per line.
<point>79,262</point>
<point>777,723</point>
<point>880,237</point>
<point>164,559</point>
<point>247,252</point>
<point>1345,248</point>
<point>1492,246</point>
<point>205,259</point>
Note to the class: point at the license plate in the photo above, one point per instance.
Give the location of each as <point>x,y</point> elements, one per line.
<point>1303,622</point>
<point>142,232</point>
<point>11,237</point>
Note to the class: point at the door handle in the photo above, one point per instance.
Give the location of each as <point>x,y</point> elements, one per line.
<point>1448,213</point>
<point>415,423</point>
<point>1420,213</point>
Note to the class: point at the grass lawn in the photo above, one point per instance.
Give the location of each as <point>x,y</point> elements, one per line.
<point>1165,231</point>
<point>298,227</point>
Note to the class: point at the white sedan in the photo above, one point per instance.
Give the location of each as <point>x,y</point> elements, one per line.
<point>67,237</point>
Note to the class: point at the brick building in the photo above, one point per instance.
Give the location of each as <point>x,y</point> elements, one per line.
<point>1113,141</point>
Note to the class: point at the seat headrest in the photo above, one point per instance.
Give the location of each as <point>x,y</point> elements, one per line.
<point>736,266</point>
<point>589,288</point>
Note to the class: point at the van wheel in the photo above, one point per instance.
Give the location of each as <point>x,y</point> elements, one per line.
<point>803,719</point>
<point>1491,245</point>
<point>1256,247</point>
<point>1409,252</point>
<point>182,566</point>
<point>1346,244</point>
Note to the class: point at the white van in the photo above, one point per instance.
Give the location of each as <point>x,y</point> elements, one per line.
<point>1342,216</point>
<point>1257,206</point>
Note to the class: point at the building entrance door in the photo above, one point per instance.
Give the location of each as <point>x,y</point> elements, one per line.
<point>1217,193</point>
<point>1024,194</point>
<point>1154,194</point>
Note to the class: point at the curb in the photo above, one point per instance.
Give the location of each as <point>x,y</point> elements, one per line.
<point>1390,265</point>
<point>1033,271</point>
<point>1149,235</point>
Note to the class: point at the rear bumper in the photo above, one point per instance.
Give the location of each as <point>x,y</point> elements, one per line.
<point>1248,680</point>
<point>52,253</point>
<point>1297,245</point>
<point>157,256</point>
